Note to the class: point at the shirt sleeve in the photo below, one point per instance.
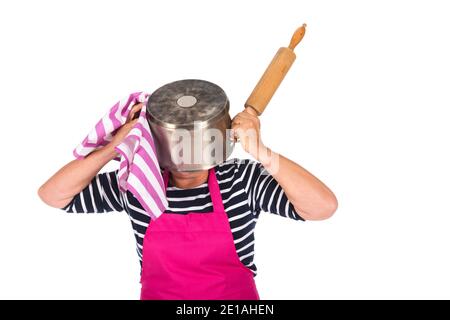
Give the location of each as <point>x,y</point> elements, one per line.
<point>100,195</point>
<point>265,193</point>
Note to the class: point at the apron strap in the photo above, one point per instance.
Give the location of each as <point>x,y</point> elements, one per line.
<point>214,191</point>
<point>166,179</point>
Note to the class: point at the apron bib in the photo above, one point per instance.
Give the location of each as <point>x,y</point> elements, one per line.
<point>193,257</point>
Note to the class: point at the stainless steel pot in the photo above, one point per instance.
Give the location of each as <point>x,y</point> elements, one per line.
<point>190,123</point>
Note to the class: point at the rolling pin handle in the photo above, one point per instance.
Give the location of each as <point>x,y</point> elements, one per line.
<point>297,37</point>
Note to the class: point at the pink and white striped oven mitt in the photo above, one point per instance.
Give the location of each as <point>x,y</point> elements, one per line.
<point>139,170</point>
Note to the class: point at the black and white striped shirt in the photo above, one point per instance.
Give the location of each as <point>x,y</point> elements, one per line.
<point>246,189</point>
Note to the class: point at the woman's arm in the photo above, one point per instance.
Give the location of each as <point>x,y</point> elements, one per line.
<point>310,197</point>
<point>68,181</point>
<point>71,179</point>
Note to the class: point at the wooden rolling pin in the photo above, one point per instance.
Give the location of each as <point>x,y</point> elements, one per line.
<point>274,74</point>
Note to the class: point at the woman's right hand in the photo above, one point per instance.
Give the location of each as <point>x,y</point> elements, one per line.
<point>126,127</point>
<point>71,179</point>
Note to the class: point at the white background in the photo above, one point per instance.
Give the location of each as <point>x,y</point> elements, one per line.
<point>364,108</point>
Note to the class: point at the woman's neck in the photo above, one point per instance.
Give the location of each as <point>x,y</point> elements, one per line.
<point>188,180</point>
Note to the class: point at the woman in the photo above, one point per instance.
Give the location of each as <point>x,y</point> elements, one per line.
<point>202,246</point>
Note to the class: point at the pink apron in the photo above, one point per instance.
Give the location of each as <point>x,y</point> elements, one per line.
<point>193,257</point>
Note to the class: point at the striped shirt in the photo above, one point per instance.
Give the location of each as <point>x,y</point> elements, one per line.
<point>245,186</point>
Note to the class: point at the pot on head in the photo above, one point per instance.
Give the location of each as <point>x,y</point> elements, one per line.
<point>190,123</point>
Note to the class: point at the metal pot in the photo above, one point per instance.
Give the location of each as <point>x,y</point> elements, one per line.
<point>190,123</point>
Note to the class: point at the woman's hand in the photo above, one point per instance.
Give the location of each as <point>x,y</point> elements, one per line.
<point>246,127</point>
<point>71,179</point>
<point>311,198</point>
<point>122,132</point>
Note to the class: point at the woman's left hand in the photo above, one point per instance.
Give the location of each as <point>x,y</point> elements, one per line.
<point>311,198</point>
<point>246,127</point>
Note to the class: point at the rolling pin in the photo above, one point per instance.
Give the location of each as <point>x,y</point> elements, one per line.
<point>274,74</point>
